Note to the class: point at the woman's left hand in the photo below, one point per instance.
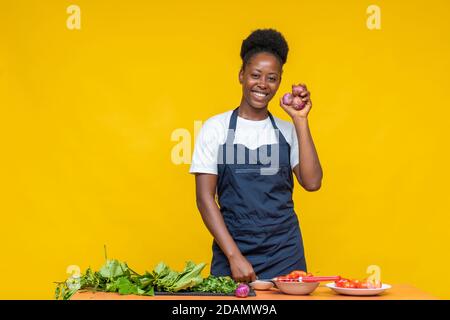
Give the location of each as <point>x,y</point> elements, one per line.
<point>303,113</point>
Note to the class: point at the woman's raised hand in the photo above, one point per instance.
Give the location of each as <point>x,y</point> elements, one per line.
<point>305,96</point>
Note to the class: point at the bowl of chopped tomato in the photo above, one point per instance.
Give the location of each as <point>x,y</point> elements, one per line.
<point>292,283</point>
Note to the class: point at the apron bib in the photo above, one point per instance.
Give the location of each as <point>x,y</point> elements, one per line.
<point>255,200</point>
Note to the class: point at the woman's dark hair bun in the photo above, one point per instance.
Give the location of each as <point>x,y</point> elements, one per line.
<point>264,40</point>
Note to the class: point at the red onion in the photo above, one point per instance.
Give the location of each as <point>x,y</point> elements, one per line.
<point>297,90</point>
<point>287,99</point>
<point>242,290</point>
<point>297,103</point>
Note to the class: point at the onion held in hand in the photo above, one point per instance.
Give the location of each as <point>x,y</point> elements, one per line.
<point>297,90</point>
<point>294,99</point>
<point>242,291</point>
<point>288,99</point>
<point>298,104</point>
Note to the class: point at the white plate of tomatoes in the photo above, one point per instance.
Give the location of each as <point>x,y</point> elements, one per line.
<point>358,288</point>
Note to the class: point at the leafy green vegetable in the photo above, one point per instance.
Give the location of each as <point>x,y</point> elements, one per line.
<point>147,281</point>
<point>189,278</point>
<point>216,285</point>
<point>62,291</point>
<point>125,286</point>
<point>169,280</point>
<point>114,269</point>
<point>161,270</point>
<point>116,276</point>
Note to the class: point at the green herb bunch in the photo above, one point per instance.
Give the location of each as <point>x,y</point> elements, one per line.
<point>216,285</point>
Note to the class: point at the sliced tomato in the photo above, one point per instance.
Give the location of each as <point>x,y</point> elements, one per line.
<point>349,285</point>
<point>356,283</point>
<point>297,274</point>
<point>340,283</point>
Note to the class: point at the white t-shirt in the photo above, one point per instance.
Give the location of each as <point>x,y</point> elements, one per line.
<point>252,134</point>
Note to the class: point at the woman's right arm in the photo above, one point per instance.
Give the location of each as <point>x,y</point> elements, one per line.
<point>241,269</point>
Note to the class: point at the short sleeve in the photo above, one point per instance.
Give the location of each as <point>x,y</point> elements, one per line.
<point>294,148</point>
<point>206,149</point>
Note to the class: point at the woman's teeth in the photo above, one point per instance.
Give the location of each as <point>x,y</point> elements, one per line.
<point>259,94</point>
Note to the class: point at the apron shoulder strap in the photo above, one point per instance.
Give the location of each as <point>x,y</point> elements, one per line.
<point>232,127</point>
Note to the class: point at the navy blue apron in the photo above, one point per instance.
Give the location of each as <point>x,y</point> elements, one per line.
<point>257,208</point>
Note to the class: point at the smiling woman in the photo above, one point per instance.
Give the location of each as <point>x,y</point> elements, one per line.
<point>256,231</point>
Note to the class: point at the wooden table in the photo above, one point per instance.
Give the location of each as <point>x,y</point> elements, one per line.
<point>397,292</point>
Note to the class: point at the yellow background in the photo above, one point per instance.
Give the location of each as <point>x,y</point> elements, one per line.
<point>87,116</point>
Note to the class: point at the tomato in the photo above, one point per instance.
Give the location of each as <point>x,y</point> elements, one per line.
<point>356,283</point>
<point>349,285</point>
<point>340,283</point>
<point>297,274</point>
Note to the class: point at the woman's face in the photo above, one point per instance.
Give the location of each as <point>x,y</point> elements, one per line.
<point>260,79</point>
